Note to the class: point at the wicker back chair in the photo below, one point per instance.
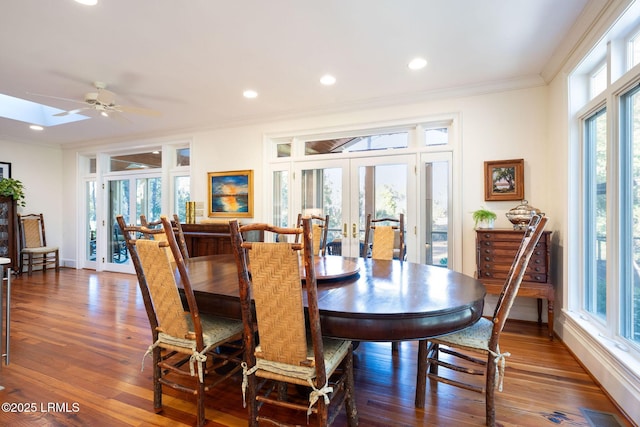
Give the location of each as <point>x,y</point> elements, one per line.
<point>33,244</point>
<point>188,347</point>
<point>320,227</point>
<point>288,352</point>
<point>177,230</point>
<point>482,337</point>
<point>385,238</point>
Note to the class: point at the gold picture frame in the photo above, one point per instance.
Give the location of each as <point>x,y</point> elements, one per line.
<point>230,194</point>
<point>504,180</point>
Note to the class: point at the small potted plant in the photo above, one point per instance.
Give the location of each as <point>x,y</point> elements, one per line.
<point>484,218</point>
<point>13,188</point>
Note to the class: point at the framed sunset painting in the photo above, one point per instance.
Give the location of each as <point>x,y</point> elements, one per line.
<point>231,194</point>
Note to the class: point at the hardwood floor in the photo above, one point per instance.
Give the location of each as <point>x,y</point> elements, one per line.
<point>78,337</point>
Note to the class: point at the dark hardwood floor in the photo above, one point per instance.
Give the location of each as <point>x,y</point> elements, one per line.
<point>78,337</point>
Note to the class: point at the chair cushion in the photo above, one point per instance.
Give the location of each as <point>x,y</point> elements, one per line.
<point>40,250</point>
<point>334,353</point>
<point>214,330</point>
<point>475,336</point>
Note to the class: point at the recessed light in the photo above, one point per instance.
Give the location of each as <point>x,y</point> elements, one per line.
<point>250,94</point>
<point>87,2</point>
<point>417,63</point>
<point>36,127</point>
<point>328,80</point>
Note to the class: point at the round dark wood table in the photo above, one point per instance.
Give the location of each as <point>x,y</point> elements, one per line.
<point>362,299</point>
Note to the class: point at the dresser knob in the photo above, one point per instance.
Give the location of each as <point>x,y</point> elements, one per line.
<point>487,258</point>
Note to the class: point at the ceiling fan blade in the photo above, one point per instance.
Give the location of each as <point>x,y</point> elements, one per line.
<point>137,110</point>
<point>75,101</point>
<point>106,97</point>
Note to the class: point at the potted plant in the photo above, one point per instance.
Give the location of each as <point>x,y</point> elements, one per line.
<point>13,188</point>
<point>484,218</point>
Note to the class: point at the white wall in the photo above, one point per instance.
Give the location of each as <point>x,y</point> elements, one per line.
<point>39,168</point>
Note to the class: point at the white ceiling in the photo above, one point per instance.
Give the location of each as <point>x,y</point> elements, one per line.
<point>191,60</point>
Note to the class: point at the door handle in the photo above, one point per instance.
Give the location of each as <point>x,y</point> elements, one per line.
<point>354,230</point>
<point>344,230</point>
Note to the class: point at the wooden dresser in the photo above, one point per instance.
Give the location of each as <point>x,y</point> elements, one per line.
<point>495,251</point>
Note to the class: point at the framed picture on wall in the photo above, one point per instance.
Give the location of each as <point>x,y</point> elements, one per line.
<point>231,194</point>
<point>5,170</point>
<point>504,179</point>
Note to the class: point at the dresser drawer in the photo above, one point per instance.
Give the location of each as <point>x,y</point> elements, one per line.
<point>496,250</point>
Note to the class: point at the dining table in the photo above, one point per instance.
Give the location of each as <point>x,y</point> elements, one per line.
<point>362,299</point>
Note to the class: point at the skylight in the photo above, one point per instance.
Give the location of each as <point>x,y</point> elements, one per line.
<point>34,113</point>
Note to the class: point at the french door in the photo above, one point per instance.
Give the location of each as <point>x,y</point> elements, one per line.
<point>349,189</point>
<point>129,196</point>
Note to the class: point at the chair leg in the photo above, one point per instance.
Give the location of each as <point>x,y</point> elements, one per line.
<point>394,346</point>
<point>350,404</point>
<point>490,392</point>
<point>30,265</point>
<point>252,383</point>
<point>157,386</point>
<point>57,261</point>
<point>200,403</point>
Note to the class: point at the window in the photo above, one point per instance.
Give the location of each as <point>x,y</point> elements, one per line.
<point>595,161</point>
<point>634,50</point>
<point>182,194</point>
<point>357,143</point>
<point>630,212</point>
<point>598,80</point>
<point>438,136</point>
<point>608,199</point>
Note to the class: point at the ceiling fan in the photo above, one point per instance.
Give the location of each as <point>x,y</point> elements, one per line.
<point>104,101</point>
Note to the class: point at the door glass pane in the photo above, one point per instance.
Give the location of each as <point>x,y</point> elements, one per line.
<point>181,195</point>
<point>322,195</point>
<point>118,204</point>
<point>91,230</point>
<point>437,214</point>
<point>281,198</point>
<point>382,193</point>
<point>148,198</point>
<point>596,212</point>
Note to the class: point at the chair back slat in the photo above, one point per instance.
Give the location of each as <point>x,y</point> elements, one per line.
<point>384,238</point>
<point>277,292</point>
<point>320,227</point>
<point>383,241</point>
<point>276,270</point>
<point>32,232</point>
<point>162,286</point>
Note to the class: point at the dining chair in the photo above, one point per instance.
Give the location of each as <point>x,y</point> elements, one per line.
<point>177,230</point>
<point>320,227</point>
<point>384,238</point>
<point>192,352</point>
<point>319,370</point>
<point>482,337</point>
<point>33,244</point>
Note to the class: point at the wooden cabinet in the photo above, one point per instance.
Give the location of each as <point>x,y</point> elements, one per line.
<point>207,239</point>
<point>9,231</point>
<point>495,251</point>
<point>212,239</point>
